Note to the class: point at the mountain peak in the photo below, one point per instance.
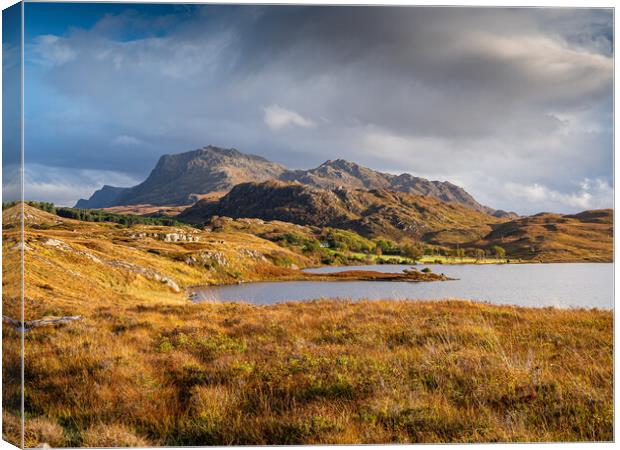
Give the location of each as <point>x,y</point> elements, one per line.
<point>178,178</point>
<point>340,164</point>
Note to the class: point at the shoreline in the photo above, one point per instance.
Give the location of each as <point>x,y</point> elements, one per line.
<point>459,263</point>
<point>414,276</point>
<point>426,301</point>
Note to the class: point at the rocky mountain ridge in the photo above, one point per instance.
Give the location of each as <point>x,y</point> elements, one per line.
<point>182,179</point>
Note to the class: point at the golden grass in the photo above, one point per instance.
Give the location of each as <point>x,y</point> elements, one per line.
<point>584,237</point>
<point>151,368</point>
<point>318,372</point>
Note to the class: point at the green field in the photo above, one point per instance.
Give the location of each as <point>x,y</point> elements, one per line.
<point>429,259</point>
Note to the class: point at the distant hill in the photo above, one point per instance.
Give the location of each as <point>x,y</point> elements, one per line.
<point>106,196</point>
<point>184,178</point>
<point>376,212</point>
<point>587,236</point>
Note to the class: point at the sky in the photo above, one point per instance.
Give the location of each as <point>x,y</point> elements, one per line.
<point>11,100</point>
<point>514,105</point>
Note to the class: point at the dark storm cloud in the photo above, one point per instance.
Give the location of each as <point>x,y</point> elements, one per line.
<point>515,104</point>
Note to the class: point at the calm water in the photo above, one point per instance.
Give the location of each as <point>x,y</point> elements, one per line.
<point>560,285</point>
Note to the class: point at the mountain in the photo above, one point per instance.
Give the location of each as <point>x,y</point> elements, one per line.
<point>182,179</point>
<point>333,174</point>
<point>587,236</point>
<point>106,196</point>
<point>375,212</point>
<point>338,173</point>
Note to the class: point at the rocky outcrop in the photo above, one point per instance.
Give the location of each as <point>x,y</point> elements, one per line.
<point>42,322</point>
<point>339,173</point>
<point>147,273</point>
<point>167,237</point>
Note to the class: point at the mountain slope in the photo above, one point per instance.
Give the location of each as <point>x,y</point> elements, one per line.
<point>334,174</point>
<point>183,178</point>
<point>376,212</point>
<point>587,236</point>
<point>104,197</point>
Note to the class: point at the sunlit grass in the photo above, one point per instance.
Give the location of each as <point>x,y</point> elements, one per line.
<point>319,372</point>
<point>147,367</point>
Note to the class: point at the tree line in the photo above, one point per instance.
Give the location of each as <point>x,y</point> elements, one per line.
<point>95,215</point>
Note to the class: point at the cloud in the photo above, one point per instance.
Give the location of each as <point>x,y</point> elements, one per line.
<point>591,194</point>
<point>126,141</point>
<point>482,96</point>
<point>63,186</point>
<point>52,50</point>
<point>11,182</point>
<point>276,117</point>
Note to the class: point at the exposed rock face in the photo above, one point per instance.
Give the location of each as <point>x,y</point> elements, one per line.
<point>167,237</point>
<point>377,212</point>
<point>42,322</point>
<point>182,178</point>
<point>179,179</point>
<point>341,173</point>
<point>274,200</point>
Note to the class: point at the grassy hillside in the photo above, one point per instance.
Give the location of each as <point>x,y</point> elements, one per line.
<point>587,236</point>
<point>143,366</point>
<point>376,213</point>
<point>67,257</point>
<point>546,237</point>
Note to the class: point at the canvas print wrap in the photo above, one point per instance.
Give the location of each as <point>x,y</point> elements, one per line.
<point>12,226</point>
<point>278,225</point>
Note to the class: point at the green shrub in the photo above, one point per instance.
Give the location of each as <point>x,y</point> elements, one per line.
<point>347,240</point>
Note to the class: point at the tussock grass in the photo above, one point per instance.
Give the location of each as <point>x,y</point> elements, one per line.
<point>318,372</point>
<point>147,367</point>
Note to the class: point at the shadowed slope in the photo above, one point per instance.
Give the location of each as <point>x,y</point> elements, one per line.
<point>370,213</point>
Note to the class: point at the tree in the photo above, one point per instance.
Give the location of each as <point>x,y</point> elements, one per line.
<point>312,246</point>
<point>412,251</point>
<point>498,251</point>
<point>480,254</point>
<point>388,247</point>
